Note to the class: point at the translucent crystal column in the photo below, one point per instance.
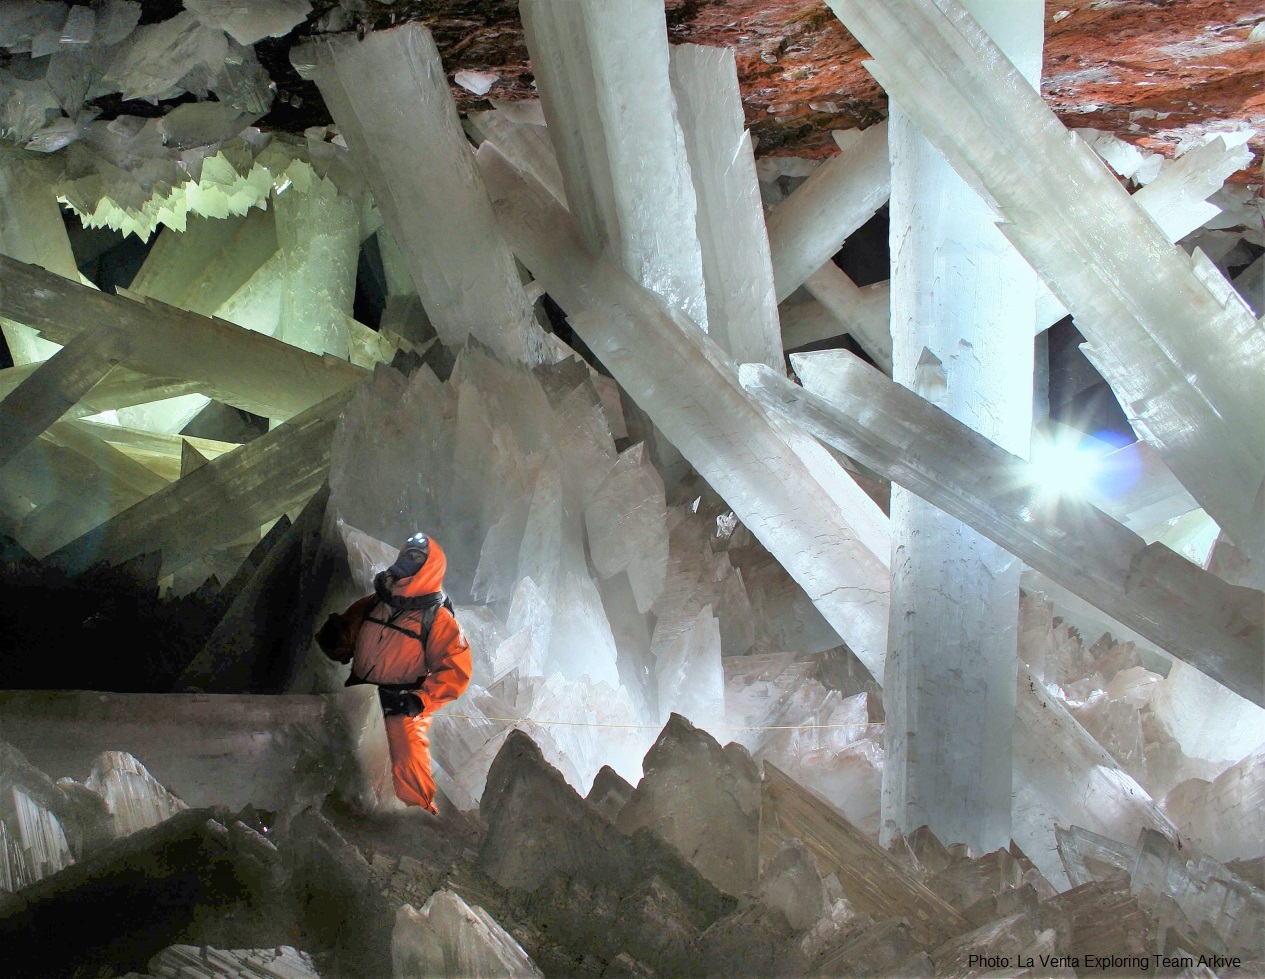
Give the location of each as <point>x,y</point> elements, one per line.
<point>1183,354</point>
<point>818,523</point>
<point>737,269</point>
<point>963,303</point>
<point>389,95</point>
<point>880,424</point>
<point>303,293</point>
<point>602,69</point>
<point>810,225</point>
<point>225,362</point>
<point>31,230</point>
<point>198,269</point>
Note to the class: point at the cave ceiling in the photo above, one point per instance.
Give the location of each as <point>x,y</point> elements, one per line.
<point>1156,73</point>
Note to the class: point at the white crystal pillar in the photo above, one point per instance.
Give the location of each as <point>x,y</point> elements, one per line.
<point>390,98</point>
<point>819,524</point>
<point>737,270</point>
<point>602,69</point>
<point>1183,354</point>
<point>808,227</point>
<point>963,303</point>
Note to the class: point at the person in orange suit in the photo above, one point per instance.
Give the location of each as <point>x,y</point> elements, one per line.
<point>405,639</point>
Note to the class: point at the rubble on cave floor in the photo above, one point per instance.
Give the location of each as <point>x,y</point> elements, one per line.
<point>541,881</point>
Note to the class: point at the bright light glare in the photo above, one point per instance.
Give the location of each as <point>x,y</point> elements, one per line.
<point>1064,466</point>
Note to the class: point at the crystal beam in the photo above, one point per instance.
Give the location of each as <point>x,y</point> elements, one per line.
<point>231,364</point>
<point>1182,352</point>
<point>1181,608</point>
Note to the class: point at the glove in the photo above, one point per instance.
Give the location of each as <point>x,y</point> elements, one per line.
<point>399,702</point>
<point>333,639</point>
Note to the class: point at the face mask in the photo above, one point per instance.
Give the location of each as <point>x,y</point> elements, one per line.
<point>416,551</point>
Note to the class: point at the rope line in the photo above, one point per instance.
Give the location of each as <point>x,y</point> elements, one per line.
<point>658,727</point>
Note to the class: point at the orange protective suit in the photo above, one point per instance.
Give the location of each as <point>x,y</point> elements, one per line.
<point>375,635</point>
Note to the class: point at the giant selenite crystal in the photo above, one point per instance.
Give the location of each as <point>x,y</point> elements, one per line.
<point>1190,613</point>
<point>424,181</point>
<point>1227,817</point>
<point>55,387</point>
<point>222,500</point>
<point>1180,349</point>
<point>199,269</point>
<point>785,496</point>
<point>1177,201</point>
<point>962,302</point>
<point>205,962</point>
<point>32,231</point>
<point>873,881</point>
<point>626,522</point>
<point>623,157</point>
<point>449,937</point>
<point>303,293</point>
<point>808,227</point>
<point>231,364</point>
<point>741,306</point>
<point>704,800</point>
<point>279,753</point>
<point>135,798</point>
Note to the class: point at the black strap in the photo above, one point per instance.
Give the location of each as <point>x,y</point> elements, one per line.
<point>410,687</point>
<point>435,601</point>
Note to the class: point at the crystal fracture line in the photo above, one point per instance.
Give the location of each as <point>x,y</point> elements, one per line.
<point>1183,354</point>
<point>1192,614</point>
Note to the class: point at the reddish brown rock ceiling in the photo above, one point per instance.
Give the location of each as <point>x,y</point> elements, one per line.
<point>1154,72</point>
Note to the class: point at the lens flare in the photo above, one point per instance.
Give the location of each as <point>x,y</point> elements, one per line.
<point>1066,465</point>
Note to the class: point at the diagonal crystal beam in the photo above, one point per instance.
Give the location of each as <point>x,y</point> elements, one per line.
<point>90,442</point>
<point>1183,354</point>
<point>390,97</point>
<point>123,388</point>
<point>1217,628</point>
<point>603,73</point>
<point>70,515</point>
<point>49,488</point>
<point>807,228</point>
<point>55,387</point>
<point>220,501</point>
<point>524,144</point>
<point>156,451</point>
<point>31,230</point>
<point>231,364</point>
<point>689,388</point>
<point>741,307</point>
<point>1177,202</point>
<point>862,313</point>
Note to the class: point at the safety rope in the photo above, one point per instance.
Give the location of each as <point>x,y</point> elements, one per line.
<point>656,727</point>
<point>659,727</point>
